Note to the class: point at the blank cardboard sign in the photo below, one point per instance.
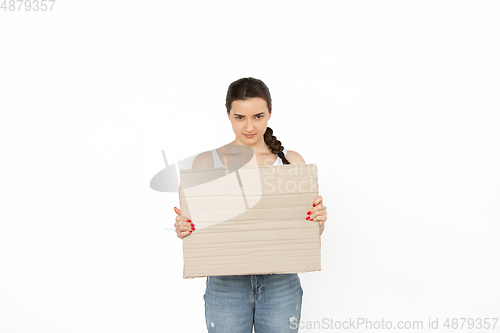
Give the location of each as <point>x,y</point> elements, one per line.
<point>250,220</point>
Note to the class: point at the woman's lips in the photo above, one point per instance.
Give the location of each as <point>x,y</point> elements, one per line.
<point>249,135</point>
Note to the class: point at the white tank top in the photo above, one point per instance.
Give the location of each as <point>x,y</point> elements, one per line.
<point>218,163</point>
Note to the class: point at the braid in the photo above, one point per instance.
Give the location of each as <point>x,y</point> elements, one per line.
<point>274,144</point>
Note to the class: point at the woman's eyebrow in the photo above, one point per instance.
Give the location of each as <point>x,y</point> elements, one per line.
<point>254,114</point>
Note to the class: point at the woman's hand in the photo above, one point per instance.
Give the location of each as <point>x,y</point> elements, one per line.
<point>318,212</point>
<point>183,225</point>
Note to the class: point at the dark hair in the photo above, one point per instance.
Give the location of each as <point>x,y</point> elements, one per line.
<point>246,88</point>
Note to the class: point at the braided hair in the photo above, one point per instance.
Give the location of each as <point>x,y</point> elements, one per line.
<point>249,87</point>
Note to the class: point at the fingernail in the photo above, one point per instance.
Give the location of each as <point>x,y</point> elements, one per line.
<point>307,218</point>
<point>189,220</point>
<point>192,224</point>
<point>190,231</point>
<point>314,205</point>
<point>309,212</point>
<point>193,228</point>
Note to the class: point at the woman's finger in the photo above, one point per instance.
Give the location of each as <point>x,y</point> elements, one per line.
<point>319,216</point>
<point>183,225</point>
<point>316,206</point>
<point>315,215</point>
<point>315,212</point>
<point>183,234</point>
<point>317,200</point>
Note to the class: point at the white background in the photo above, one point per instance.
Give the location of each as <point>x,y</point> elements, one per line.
<point>397,102</point>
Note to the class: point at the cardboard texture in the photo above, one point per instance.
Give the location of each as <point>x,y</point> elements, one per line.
<point>250,220</point>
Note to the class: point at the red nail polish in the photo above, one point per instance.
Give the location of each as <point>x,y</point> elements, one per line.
<point>190,231</point>
<point>192,224</point>
<point>309,212</point>
<point>189,220</point>
<point>307,218</point>
<point>193,228</point>
<point>314,205</point>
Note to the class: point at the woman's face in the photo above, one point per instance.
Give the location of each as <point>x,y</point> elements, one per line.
<point>249,117</point>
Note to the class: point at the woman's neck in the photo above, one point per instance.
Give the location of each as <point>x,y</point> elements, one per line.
<point>260,147</point>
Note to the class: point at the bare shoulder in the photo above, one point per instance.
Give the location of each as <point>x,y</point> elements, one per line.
<point>294,158</point>
<point>204,160</point>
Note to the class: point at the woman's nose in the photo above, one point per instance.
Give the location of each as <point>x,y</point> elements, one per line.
<point>249,126</point>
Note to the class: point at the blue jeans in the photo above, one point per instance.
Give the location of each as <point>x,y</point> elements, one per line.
<point>235,303</point>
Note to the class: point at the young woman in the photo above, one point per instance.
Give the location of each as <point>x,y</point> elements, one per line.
<point>271,302</point>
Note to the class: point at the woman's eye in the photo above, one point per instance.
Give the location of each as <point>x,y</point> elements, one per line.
<point>259,116</point>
